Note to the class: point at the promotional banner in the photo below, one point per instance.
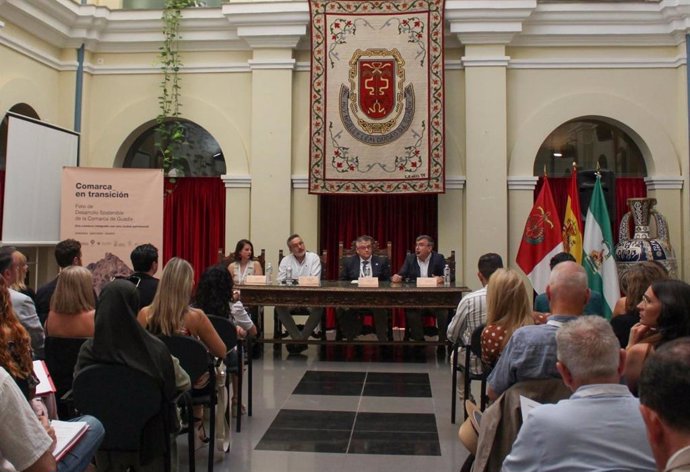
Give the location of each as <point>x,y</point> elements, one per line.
<point>111,211</point>
<point>377,97</point>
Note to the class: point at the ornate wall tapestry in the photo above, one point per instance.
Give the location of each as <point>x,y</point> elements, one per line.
<point>377,116</point>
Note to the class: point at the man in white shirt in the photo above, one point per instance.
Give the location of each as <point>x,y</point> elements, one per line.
<point>664,388</point>
<point>299,262</point>
<point>599,426</point>
<point>471,313</point>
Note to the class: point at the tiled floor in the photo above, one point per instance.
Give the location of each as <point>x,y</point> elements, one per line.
<point>342,409</point>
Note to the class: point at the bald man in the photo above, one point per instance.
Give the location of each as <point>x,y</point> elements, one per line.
<point>531,351</point>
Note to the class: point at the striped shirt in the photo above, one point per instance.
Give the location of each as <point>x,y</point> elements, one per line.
<point>470,314</point>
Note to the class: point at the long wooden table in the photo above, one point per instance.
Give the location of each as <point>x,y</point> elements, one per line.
<point>347,294</point>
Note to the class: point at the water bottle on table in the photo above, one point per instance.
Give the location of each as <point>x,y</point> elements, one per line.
<point>446,276</point>
<point>269,273</point>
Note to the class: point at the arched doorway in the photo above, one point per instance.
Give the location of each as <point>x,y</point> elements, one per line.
<point>194,203</point>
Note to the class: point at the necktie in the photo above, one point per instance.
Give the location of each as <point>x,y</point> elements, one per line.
<point>365,269</point>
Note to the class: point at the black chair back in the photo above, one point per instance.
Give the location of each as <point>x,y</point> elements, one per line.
<point>125,400</point>
<point>192,354</point>
<point>225,329</point>
<point>61,357</point>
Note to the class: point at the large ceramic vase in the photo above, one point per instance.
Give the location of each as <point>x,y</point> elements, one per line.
<point>649,241</point>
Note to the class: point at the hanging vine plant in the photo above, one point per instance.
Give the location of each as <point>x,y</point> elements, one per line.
<point>170,132</point>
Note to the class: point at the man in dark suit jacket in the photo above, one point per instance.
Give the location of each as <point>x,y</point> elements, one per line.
<point>364,264</point>
<point>145,264</point>
<point>67,253</point>
<point>423,263</point>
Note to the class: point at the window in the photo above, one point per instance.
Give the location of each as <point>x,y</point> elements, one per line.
<point>589,142</point>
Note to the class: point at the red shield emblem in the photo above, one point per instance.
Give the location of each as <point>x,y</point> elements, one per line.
<point>376,87</point>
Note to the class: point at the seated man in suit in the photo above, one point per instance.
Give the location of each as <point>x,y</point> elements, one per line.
<point>364,264</point>
<point>423,263</point>
<point>301,263</point>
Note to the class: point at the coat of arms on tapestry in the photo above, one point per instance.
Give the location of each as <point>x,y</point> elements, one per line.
<point>377,116</point>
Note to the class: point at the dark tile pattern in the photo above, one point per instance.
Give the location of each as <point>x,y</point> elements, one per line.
<point>352,432</point>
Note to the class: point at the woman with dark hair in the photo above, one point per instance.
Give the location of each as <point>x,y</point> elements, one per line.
<point>633,284</point>
<point>664,316</point>
<point>215,296</point>
<point>244,265</point>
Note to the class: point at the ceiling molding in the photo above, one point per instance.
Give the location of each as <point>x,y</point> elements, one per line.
<point>664,182</point>
<point>285,24</point>
<point>300,181</point>
<point>455,182</point>
<point>237,181</point>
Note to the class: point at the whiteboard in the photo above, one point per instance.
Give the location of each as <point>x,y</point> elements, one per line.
<point>36,154</point>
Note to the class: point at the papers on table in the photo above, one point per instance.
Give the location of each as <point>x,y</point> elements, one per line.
<point>527,405</point>
<point>45,381</point>
<point>68,433</point>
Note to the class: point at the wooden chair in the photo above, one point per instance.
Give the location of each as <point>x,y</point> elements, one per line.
<point>343,252</point>
<point>129,403</point>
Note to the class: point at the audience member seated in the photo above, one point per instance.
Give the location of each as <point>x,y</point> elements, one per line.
<point>664,316</point>
<point>531,351</point>
<point>423,263</point>
<point>72,306</point>
<point>145,264</point>
<point>215,296</point>
<point>22,268</point>
<point>664,391</point>
<point>633,284</point>
<point>27,440</point>
<point>244,263</point>
<point>299,262</point>
<point>508,308</point>
<point>471,313</point>
<point>595,305</point>
<point>364,264</point>
<point>171,315</point>
<point>599,427</point>
<point>15,346</point>
<point>120,340</point>
<point>67,253</point>
<point>23,306</point>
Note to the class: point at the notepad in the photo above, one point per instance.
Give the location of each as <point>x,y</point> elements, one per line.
<point>68,433</point>
<point>45,381</point>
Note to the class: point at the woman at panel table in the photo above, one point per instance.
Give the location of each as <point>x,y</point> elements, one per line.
<point>244,265</point>
<point>72,306</point>
<point>170,315</point>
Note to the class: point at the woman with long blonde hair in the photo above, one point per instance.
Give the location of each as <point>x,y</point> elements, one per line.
<point>170,314</point>
<point>508,308</point>
<point>72,306</point>
<point>22,268</point>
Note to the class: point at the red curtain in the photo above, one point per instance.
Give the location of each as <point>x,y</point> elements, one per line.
<point>626,187</point>
<point>194,221</point>
<point>396,218</point>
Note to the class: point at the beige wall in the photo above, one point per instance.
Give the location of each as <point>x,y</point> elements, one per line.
<point>496,119</point>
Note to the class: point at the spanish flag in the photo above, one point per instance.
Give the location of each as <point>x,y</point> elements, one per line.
<point>572,221</point>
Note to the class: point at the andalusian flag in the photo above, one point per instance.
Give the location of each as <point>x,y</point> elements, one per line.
<point>572,221</point>
<point>598,251</point>
<point>541,239</point>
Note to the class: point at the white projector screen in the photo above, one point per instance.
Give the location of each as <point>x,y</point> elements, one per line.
<point>36,154</point>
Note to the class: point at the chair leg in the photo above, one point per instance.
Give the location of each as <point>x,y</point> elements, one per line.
<point>212,430</point>
<point>250,376</point>
<point>454,382</point>
<point>240,374</point>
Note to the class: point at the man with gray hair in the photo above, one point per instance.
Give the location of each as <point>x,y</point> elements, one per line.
<point>530,354</point>
<point>599,427</point>
<point>664,388</point>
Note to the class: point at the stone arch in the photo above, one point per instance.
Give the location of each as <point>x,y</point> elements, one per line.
<point>656,146</point>
<point>205,114</point>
